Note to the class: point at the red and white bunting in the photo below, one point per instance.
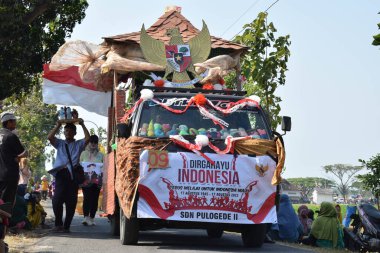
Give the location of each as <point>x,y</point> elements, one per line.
<point>179,140</point>
<point>230,141</point>
<point>200,101</point>
<point>234,106</point>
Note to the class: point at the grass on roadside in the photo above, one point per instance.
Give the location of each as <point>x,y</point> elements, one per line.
<point>343,208</point>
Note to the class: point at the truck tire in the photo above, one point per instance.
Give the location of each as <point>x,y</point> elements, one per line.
<point>254,235</point>
<point>115,223</point>
<point>214,233</point>
<point>129,229</point>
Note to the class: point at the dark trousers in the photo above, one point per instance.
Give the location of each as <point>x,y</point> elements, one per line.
<point>8,190</point>
<point>90,200</point>
<point>66,192</point>
<point>44,194</point>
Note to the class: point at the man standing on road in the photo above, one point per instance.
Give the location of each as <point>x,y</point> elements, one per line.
<point>66,189</point>
<point>11,151</point>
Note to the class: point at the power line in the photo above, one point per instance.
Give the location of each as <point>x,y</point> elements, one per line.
<point>271,5</point>
<point>249,8</point>
<point>265,11</point>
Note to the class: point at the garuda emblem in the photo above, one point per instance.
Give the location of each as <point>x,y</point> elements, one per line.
<point>261,169</point>
<point>177,57</point>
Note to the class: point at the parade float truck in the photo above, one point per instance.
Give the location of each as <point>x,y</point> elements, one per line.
<point>191,153</point>
<point>188,151</point>
<point>197,160</point>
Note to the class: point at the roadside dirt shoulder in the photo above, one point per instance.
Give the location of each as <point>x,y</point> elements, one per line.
<point>22,241</point>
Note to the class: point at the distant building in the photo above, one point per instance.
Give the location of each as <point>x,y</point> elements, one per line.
<point>291,190</point>
<point>320,195</point>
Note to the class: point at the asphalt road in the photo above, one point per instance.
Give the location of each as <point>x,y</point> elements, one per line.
<point>84,239</point>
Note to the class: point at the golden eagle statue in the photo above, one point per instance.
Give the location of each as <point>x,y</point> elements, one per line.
<point>178,57</point>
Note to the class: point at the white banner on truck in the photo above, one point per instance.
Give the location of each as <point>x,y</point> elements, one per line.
<point>232,190</point>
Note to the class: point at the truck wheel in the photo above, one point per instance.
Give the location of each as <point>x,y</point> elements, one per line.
<point>214,233</point>
<point>115,223</point>
<point>254,235</point>
<point>129,229</point>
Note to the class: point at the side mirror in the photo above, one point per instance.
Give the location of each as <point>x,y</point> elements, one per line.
<point>286,124</point>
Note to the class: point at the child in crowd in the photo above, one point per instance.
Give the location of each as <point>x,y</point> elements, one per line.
<point>303,212</point>
<point>44,187</point>
<point>36,213</point>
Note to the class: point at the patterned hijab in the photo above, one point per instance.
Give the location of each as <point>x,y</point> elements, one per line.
<point>303,212</point>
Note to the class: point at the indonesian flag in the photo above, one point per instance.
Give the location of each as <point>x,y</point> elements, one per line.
<point>65,87</point>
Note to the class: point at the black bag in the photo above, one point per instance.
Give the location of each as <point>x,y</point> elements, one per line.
<point>78,171</point>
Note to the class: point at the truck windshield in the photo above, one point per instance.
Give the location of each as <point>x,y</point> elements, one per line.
<point>155,121</point>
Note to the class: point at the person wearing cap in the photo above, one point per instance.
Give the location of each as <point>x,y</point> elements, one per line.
<point>44,187</point>
<point>93,184</point>
<point>66,189</point>
<point>11,151</point>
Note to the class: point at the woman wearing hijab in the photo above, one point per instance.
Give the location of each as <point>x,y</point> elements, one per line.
<point>303,216</point>
<point>326,230</point>
<point>289,227</point>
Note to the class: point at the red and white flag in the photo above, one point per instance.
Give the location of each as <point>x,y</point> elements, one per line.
<point>65,87</point>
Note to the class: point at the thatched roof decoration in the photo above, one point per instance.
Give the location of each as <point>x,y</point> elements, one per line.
<point>169,20</point>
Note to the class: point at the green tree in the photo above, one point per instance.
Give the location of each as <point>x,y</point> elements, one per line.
<point>358,187</point>
<point>35,121</point>
<point>307,184</point>
<point>30,33</point>
<point>265,63</point>
<point>344,174</point>
<point>371,180</point>
<point>376,38</point>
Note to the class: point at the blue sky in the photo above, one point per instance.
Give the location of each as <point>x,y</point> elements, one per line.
<point>332,86</point>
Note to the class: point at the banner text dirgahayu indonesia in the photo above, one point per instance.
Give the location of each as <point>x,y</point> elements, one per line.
<point>201,171</point>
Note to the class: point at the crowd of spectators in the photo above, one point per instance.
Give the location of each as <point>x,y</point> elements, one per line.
<point>325,230</point>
